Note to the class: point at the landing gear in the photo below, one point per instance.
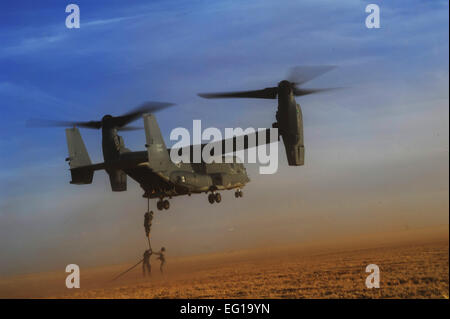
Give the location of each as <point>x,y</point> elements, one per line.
<point>162,204</point>
<point>238,193</point>
<point>166,204</point>
<point>214,198</point>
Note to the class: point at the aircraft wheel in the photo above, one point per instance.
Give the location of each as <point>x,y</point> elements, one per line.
<point>217,197</point>
<point>159,205</point>
<point>240,193</point>
<point>166,204</point>
<point>211,198</point>
<point>236,194</point>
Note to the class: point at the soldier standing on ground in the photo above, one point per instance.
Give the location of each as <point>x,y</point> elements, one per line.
<point>162,258</point>
<point>146,267</point>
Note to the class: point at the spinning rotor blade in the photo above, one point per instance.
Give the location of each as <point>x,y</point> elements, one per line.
<point>130,128</point>
<point>118,122</point>
<point>303,74</point>
<point>301,92</point>
<point>267,93</point>
<point>55,123</point>
<point>296,77</point>
<point>146,107</point>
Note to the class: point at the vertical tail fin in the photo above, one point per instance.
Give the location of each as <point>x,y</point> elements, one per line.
<point>158,156</point>
<point>78,158</point>
<point>78,155</point>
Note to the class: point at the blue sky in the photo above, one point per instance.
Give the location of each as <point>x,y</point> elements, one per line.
<point>387,131</point>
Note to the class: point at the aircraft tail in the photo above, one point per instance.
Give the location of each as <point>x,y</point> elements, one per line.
<point>158,156</point>
<point>81,167</point>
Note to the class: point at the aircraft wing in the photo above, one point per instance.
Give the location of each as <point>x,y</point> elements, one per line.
<point>235,144</point>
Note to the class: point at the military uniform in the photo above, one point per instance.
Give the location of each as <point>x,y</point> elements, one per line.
<point>148,217</point>
<point>161,258</point>
<point>146,267</point>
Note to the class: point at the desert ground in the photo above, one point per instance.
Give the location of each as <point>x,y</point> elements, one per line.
<point>413,264</point>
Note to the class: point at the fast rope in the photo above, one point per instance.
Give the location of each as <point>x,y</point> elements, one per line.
<point>123,273</point>
<point>147,225</point>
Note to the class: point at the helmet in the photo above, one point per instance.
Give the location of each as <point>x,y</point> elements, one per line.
<point>163,249</point>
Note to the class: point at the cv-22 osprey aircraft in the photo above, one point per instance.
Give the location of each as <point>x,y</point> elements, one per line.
<point>154,170</point>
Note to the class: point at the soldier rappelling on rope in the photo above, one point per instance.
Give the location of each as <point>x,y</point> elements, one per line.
<point>146,266</point>
<point>148,217</point>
